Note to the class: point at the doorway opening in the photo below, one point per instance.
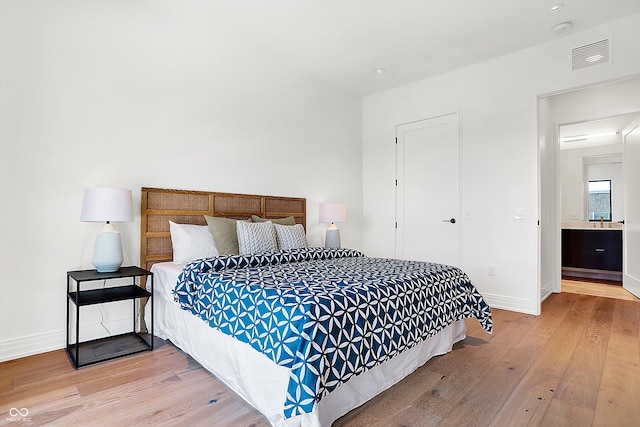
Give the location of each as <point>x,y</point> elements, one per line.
<point>571,140</point>
<point>592,203</point>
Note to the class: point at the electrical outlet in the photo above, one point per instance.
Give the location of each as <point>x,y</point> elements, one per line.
<point>492,270</point>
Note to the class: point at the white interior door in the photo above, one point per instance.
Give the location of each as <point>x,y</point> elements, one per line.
<point>631,233</point>
<point>428,190</point>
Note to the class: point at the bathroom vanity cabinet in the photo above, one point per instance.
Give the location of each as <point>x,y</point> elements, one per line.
<point>592,250</point>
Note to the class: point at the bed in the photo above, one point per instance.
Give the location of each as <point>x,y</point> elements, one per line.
<point>302,334</point>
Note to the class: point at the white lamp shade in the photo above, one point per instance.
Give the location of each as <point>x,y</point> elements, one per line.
<point>333,212</point>
<point>107,204</point>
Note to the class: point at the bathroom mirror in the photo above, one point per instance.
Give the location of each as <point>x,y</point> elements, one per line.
<point>599,200</point>
<point>603,192</point>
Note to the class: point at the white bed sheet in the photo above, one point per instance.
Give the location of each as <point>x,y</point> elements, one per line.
<point>260,381</point>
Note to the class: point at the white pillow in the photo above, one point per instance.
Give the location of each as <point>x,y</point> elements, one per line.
<point>256,237</point>
<point>291,236</point>
<point>191,242</point>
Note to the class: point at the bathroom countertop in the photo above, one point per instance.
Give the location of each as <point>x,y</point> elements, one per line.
<point>594,225</point>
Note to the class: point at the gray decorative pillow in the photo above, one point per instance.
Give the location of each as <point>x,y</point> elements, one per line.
<point>291,236</point>
<point>256,237</point>
<point>224,234</point>
<point>289,220</point>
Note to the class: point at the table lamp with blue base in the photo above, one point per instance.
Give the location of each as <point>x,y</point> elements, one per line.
<point>332,213</point>
<point>107,204</point>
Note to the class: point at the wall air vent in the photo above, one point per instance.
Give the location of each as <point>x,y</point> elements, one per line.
<point>590,54</point>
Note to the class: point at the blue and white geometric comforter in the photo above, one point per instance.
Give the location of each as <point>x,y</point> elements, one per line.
<point>327,314</point>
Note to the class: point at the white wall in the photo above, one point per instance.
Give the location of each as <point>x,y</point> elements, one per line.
<point>497,103</point>
<point>133,94</point>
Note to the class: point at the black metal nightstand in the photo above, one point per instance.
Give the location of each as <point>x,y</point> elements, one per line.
<point>98,350</point>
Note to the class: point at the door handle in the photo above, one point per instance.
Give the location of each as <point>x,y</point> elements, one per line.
<point>451,220</point>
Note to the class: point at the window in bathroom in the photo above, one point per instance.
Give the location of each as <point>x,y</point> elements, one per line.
<point>600,200</point>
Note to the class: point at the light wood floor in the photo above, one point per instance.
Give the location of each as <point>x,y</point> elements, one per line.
<point>577,364</point>
<point>604,289</point>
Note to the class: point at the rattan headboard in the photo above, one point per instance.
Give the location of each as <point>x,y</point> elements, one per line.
<point>159,205</point>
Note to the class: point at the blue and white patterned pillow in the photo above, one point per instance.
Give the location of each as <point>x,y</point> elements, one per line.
<point>256,237</point>
<point>291,236</point>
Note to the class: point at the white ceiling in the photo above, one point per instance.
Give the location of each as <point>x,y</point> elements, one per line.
<point>343,42</point>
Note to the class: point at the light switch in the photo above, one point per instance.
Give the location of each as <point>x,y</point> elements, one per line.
<point>518,214</point>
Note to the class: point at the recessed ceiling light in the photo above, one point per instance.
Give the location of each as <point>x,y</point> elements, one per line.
<point>380,70</point>
<point>556,7</point>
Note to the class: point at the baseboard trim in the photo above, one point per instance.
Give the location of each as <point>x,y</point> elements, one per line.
<point>16,348</point>
<point>519,305</point>
<point>546,290</point>
<point>54,340</point>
